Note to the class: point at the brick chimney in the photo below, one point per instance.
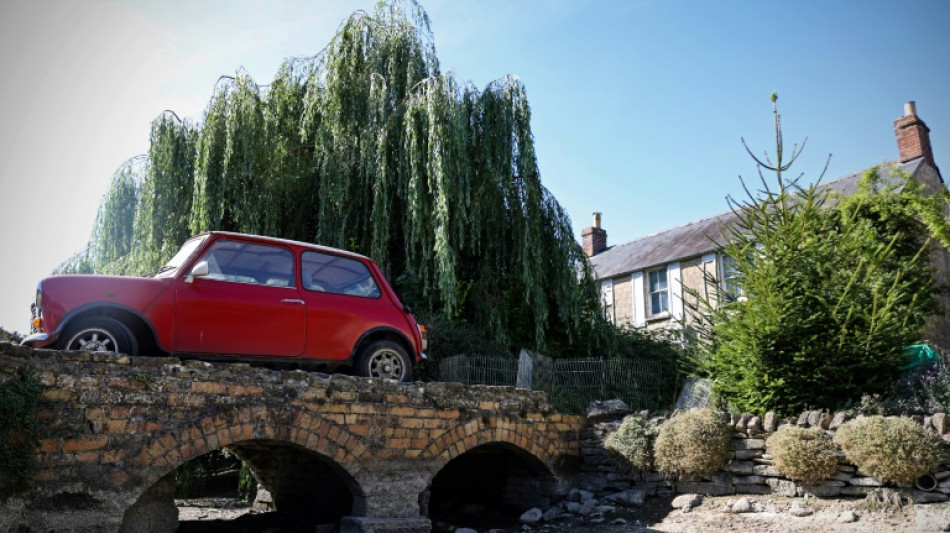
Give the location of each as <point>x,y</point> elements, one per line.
<point>913,136</point>
<point>595,238</point>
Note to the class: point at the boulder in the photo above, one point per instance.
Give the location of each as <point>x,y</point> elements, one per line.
<point>607,410</point>
<point>800,510</point>
<point>628,498</point>
<point>531,516</point>
<point>579,495</point>
<point>587,507</point>
<point>687,501</point>
<point>755,427</point>
<point>742,505</point>
<point>552,514</point>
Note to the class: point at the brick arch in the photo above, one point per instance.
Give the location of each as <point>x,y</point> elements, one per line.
<point>525,437</point>
<point>170,449</point>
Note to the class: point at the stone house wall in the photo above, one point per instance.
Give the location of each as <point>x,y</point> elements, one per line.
<point>938,326</point>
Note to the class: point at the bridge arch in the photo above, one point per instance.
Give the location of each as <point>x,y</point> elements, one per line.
<point>474,433</point>
<point>487,472</point>
<point>286,450</point>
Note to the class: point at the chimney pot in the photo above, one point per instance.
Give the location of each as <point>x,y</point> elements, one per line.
<point>913,136</point>
<point>594,238</point>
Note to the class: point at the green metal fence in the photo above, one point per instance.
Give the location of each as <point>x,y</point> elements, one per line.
<point>571,384</point>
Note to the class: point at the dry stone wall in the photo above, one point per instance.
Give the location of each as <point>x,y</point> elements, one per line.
<point>749,467</point>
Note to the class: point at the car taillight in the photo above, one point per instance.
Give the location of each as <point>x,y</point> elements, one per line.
<point>425,336</point>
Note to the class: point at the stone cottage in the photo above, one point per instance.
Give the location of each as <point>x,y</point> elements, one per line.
<point>642,281</point>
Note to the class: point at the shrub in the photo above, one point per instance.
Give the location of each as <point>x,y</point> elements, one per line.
<point>247,484</point>
<point>20,401</point>
<point>10,336</point>
<point>632,443</point>
<point>922,390</point>
<point>891,449</point>
<point>692,444</point>
<point>801,454</point>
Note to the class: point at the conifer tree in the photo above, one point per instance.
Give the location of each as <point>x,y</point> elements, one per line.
<point>832,289</point>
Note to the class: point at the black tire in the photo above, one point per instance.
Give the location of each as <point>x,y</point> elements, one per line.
<point>384,359</point>
<point>99,334</point>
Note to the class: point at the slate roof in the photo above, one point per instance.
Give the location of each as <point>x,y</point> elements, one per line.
<point>702,236</point>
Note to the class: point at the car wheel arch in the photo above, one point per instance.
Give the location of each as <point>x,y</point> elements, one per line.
<point>140,326</point>
<point>382,334</point>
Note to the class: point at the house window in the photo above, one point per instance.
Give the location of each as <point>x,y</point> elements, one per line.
<point>607,298</point>
<point>731,289</point>
<point>659,292</point>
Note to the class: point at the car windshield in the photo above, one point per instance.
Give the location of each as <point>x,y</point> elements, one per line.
<point>186,250</point>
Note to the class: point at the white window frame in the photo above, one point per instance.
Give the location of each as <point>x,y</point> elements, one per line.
<point>607,299</point>
<point>710,273</point>
<point>639,299</point>
<point>650,291</point>
<point>731,291</point>
<point>675,279</point>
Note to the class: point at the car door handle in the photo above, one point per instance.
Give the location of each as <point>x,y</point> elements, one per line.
<point>291,301</point>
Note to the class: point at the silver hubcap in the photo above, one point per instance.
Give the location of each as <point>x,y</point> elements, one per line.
<point>93,340</point>
<point>386,364</point>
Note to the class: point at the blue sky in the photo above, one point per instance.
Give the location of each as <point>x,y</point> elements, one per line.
<point>638,105</point>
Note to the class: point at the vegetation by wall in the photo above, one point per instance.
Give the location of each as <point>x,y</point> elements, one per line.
<point>20,430</point>
<point>751,465</point>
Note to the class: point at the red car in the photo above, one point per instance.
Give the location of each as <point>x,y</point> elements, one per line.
<point>239,297</point>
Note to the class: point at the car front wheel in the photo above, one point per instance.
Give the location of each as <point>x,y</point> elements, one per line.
<point>386,360</point>
<point>100,334</point>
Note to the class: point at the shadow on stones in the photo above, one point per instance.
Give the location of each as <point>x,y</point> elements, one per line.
<point>487,487</point>
<point>304,491</point>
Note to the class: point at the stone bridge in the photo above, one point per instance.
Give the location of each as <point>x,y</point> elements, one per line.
<point>365,454</point>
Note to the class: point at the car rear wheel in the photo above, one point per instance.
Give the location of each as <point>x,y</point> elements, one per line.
<point>384,359</point>
<point>100,334</point>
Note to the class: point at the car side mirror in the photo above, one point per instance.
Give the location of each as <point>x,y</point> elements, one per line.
<point>200,270</point>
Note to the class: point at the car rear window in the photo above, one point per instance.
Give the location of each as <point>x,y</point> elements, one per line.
<point>339,275</point>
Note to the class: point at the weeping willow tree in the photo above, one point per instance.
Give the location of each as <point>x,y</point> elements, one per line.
<point>369,146</point>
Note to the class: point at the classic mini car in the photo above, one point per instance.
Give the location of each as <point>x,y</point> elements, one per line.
<point>239,297</point>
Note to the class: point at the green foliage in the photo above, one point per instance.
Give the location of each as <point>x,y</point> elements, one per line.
<point>832,291</point>
<point>20,401</point>
<point>632,443</point>
<point>10,336</point>
<point>923,390</point>
<point>196,477</point>
<point>369,146</point>
<point>893,449</point>
<point>247,484</point>
<point>694,443</point>
<point>801,454</point>
<point>192,477</point>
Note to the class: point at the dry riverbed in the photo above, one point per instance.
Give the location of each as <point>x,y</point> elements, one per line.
<point>765,514</point>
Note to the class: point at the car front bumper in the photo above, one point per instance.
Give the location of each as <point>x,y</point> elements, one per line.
<point>39,340</point>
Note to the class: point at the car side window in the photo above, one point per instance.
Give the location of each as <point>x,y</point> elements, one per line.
<point>246,262</point>
<point>322,272</point>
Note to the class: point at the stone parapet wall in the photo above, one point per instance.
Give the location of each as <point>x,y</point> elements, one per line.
<point>748,468</point>
<point>116,425</point>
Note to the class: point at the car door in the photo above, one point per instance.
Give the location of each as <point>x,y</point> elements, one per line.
<point>343,301</point>
<point>245,304</point>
